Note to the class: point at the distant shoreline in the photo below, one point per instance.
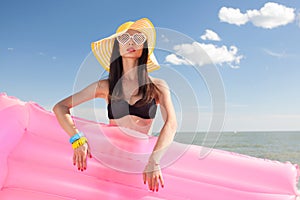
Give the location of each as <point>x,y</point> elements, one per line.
<point>262,131</point>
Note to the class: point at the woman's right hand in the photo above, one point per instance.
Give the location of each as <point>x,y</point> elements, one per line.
<point>80,156</point>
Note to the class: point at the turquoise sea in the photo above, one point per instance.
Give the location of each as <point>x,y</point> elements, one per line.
<point>281,146</point>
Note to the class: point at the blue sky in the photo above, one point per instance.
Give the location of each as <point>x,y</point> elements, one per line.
<point>43,45</point>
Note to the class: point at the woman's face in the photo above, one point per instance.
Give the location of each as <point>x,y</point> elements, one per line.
<point>131,49</point>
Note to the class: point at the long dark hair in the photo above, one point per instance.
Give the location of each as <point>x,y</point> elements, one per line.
<point>147,89</point>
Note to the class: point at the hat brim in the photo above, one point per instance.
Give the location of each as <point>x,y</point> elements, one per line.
<point>102,49</point>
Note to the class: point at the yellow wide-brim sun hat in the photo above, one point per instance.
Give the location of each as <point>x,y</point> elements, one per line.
<point>102,49</point>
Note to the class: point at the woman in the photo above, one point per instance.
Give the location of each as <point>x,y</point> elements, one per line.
<point>132,95</point>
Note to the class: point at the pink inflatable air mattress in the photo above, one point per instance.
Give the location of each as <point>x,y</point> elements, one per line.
<point>36,164</point>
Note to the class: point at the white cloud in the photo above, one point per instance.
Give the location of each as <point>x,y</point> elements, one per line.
<point>44,54</point>
<point>232,16</point>
<point>271,15</point>
<point>164,38</point>
<point>274,54</point>
<point>234,66</point>
<point>298,19</point>
<point>172,58</point>
<point>202,54</point>
<point>10,49</point>
<point>210,35</point>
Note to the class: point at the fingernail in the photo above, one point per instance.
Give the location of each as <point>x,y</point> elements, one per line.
<point>78,168</point>
<point>85,168</point>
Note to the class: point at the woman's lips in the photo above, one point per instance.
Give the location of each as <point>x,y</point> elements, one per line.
<point>131,49</point>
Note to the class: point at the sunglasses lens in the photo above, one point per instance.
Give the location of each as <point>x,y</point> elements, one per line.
<point>139,38</point>
<point>124,38</point>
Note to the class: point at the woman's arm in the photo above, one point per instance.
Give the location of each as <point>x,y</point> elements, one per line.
<point>168,130</point>
<point>62,109</point>
<point>152,173</point>
<point>62,112</point>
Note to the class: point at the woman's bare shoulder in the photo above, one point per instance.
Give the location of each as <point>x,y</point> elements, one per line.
<point>103,83</point>
<point>103,88</point>
<point>160,83</point>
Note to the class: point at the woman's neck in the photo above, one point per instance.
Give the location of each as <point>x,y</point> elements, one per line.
<point>130,68</point>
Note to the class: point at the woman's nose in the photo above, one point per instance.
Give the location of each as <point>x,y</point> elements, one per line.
<point>130,42</point>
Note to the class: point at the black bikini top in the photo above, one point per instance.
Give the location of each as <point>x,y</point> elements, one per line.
<point>120,108</point>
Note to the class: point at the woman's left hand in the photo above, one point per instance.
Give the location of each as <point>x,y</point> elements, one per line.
<point>152,174</point>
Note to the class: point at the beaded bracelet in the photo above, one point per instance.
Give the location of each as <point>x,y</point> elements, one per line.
<point>81,141</point>
<point>75,137</point>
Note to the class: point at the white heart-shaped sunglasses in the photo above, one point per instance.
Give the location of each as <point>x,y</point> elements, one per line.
<point>137,38</point>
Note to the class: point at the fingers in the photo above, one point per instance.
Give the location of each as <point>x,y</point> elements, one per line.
<point>83,163</point>
<point>89,154</point>
<point>150,183</point>
<point>154,180</point>
<point>144,177</point>
<point>74,158</point>
<point>80,157</point>
<point>79,162</point>
<point>154,183</point>
<point>161,180</point>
